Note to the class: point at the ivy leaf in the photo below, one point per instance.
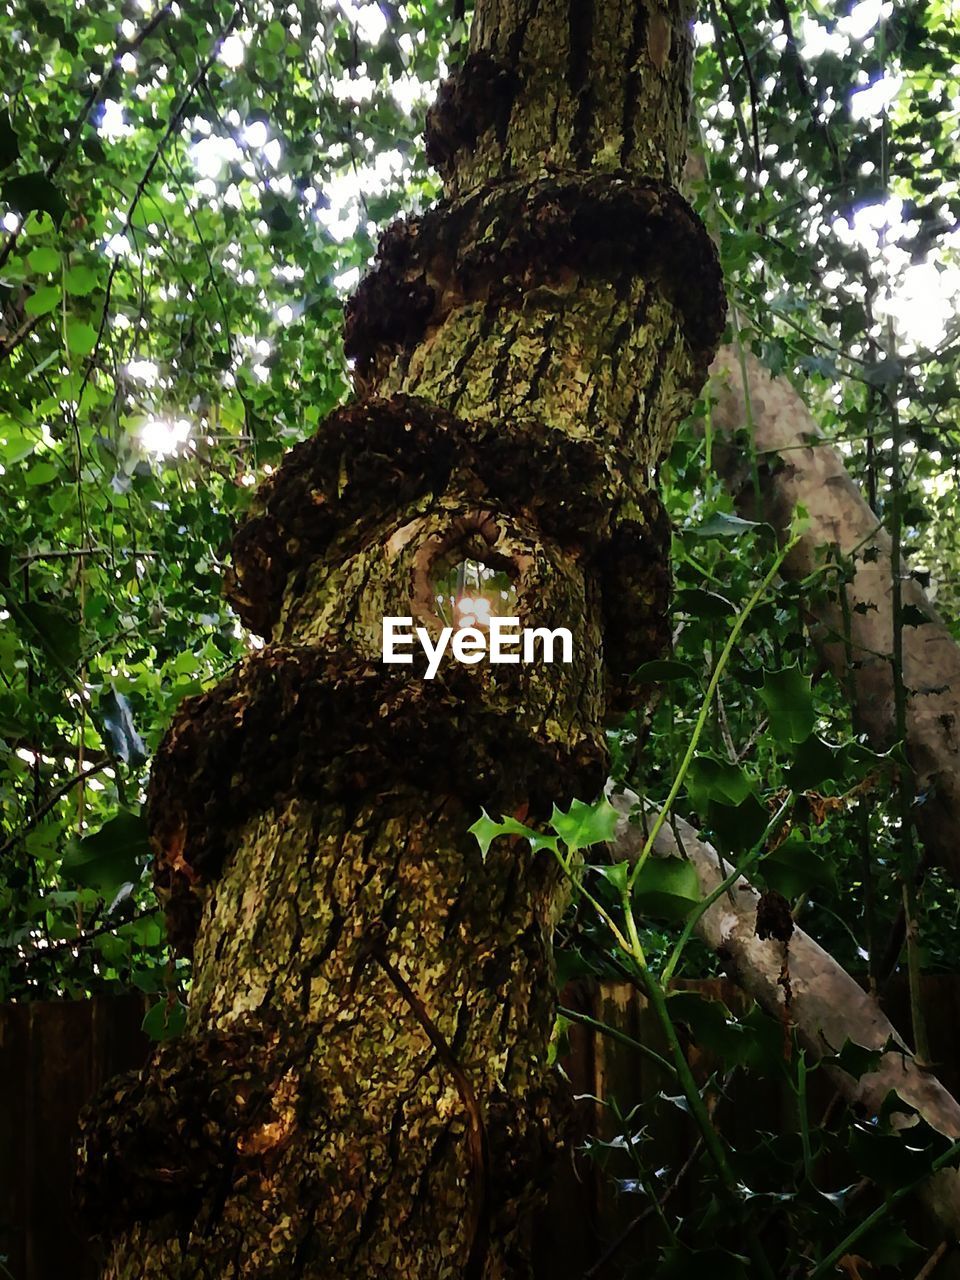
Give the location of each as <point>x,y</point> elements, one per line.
<point>789,702</point>
<point>117,717</point>
<point>43,300</point>
<point>41,473</point>
<point>165,1021</point>
<point>584,825</point>
<point>486,830</point>
<point>44,261</point>
<point>109,857</point>
<point>666,889</point>
<point>79,281</point>
<point>913,616</point>
<point>81,337</point>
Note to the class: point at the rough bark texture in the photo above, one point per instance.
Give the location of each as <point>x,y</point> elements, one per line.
<point>796,466</point>
<point>825,1004</point>
<point>363,1089</point>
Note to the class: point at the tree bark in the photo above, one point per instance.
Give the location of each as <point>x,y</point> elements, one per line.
<point>363,1088</point>
<point>825,1004</point>
<point>797,467</point>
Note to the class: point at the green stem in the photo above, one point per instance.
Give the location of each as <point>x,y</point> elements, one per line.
<point>691,1090</point>
<point>620,1037</point>
<point>773,826</point>
<point>827,1265</point>
<point>705,706</point>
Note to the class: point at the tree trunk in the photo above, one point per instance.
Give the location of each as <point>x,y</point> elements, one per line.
<point>362,1089</point>
<point>797,466</point>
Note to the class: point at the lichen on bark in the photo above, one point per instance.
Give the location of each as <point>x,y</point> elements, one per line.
<point>363,1087</point>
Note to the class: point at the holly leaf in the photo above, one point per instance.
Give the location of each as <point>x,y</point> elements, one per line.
<point>789,702</point>
<point>584,825</point>
<point>796,867</point>
<point>666,889</point>
<point>487,829</point>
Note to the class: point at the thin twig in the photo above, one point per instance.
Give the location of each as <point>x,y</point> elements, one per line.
<point>56,796</point>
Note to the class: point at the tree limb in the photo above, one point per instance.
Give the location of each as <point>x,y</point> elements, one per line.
<point>798,466</point>
<point>827,1006</point>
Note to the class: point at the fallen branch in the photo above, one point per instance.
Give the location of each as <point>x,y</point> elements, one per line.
<point>827,1007</point>
<point>797,467</point>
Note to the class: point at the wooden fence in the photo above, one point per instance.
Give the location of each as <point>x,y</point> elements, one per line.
<point>54,1056</point>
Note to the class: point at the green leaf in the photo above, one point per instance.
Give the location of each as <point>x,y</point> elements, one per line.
<point>711,779</point>
<point>789,702</point>
<point>722,525</point>
<point>44,261</point>
<point>9,142</point>
<point>708,606</point>
<point>53,629</point>
<point>888,1245</point>
<point>711,1025</point>
<point>117,718</point>
<point>110,857</point>
<point>617,873</point>
<point>487,829</point>
<point>816,762</point>
<point>165,1021</point>
<point>796,867</point>
<point>43,300</point>
<point>81,337</point>
<point>682,1263</point>
<point>584,825</point>
<point>662,670</point>
<point>43,842</point>
<point>34,192</point>
<point>42,473</point>
<point>274,37</point>
<point>666,889</point>
<point>912,615</point>
<point>79,281</point>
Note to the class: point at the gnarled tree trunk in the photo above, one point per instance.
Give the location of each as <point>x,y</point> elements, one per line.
<point>362,1089</point>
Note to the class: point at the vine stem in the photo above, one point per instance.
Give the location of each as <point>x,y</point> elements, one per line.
<point>712,687</point>
<point>771,829</point>
<point>826,1267</point>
